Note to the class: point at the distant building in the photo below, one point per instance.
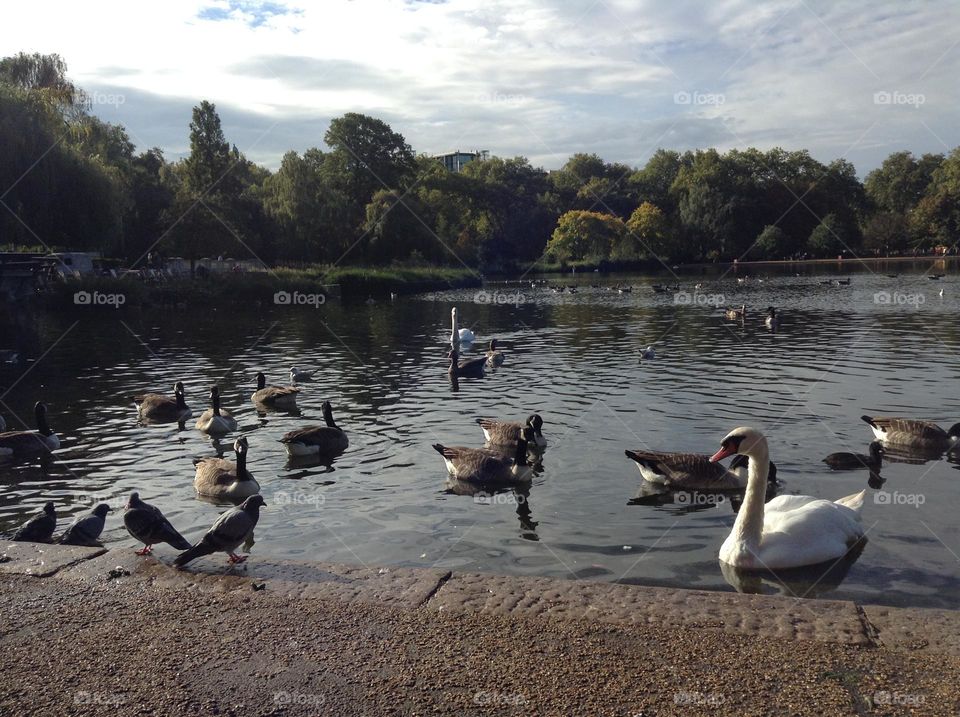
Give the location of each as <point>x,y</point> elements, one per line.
<point>454,161</point>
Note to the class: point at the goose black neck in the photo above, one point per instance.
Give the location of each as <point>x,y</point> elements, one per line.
<point>181,402</point>
<point>215,400</point>
<point>242,464</point>
<point>41,416</point>
<point>521,457</point>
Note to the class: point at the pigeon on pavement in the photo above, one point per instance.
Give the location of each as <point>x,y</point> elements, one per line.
<point>147,524</point>
<point>227,533</point>
<point>39,529</point>
<point>86,529</point>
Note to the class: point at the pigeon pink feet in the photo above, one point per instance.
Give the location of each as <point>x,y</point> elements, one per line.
<point>234,558</point>
<point>145,550</point>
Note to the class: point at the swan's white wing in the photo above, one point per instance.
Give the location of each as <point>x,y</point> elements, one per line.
<point>809,532</point>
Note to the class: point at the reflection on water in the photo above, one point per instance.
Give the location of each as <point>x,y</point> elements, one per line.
<point>574,358</point>
<point>807,582</point>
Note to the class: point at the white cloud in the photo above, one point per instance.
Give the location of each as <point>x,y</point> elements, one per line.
<point>524,77</point>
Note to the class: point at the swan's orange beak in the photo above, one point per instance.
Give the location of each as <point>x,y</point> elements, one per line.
<point>722,453</point>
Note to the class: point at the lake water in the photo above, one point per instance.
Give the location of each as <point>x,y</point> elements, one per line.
<point>572,358</point>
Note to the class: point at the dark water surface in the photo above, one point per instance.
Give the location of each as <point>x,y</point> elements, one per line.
<point>571,358</point>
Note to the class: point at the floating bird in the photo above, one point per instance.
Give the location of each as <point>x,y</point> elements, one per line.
<point>328,440</point>
<point>624,289</point>
<point>297,375</point>
<point>936,277</point>
<point>841,282</point>
<point>735,314</point>
<point>147,524</point>
<point>772,321</point>
<point>274,396</point>
<point>157,408</point>
<point>692,471</point>
<point>465,336</point>
<point>227,533</point>
<point>85,529</point>
<point>466,368</point>
<point>791,530</point>
<point>912,433</point>
<point>26,444</point>
<point>494,357</point>
<point>39,529</point>
<point>477,465</point>
<point>509,432</point>
<point>941,293</point>
<point>648,353</point>
<point>213,420</point>
<point>855,461</point>
<point>220,478</point>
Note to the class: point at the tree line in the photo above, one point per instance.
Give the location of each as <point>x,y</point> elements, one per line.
<point>71,180</point>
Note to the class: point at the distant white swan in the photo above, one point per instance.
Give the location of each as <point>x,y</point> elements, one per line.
<point>791,530</point>
<point>464,336</point>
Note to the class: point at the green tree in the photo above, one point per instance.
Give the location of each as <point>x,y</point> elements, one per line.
<point>886,232</point>
<point>833,236</point>
<point>773,243</point>
<point>581,234</point>
<point>648,232</point>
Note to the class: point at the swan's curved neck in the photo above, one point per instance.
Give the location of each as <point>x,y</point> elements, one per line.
<point>749,524</point>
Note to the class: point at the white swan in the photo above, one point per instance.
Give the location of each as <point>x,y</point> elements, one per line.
<point>459,335</point>
<point>791,530</point>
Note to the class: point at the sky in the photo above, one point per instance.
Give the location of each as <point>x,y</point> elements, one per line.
<point>618,78</point>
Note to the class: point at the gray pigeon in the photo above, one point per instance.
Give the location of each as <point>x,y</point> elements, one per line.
<point>86,529</point>
<point>147,524</point>
<point>39,529</point>
<point>227,533</point>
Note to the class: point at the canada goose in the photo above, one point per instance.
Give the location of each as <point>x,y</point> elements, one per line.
<point>509,432</point>
<point>325,440</point>
<point>791,530</point>
<point>692,471</point>
<point>157,408</point>
<point>147,524</point>
<point>648,353</point>
<point>494,357</point>
<point>213,420</point>
<point>841,282</point>
<point>297,375</point>
<point>467,368</point>
<point>459,335</point>
<point>935,277</point>
<point>86,529</point>
<point>40,527</point>
<point>855,461</point>
<point>24,444</point>
<point>941,293</point>
<point>735,314</point>
<point>274,396</point>
<point>220,478</point>
<point>911,433</point>
<point>772,321</point>
<point>483,466</point>
<point>624,289</point>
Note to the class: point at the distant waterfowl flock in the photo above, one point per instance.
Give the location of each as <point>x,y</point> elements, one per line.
<point>786,531</point>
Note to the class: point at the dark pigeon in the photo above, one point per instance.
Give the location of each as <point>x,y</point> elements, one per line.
<point>147,524</point>
<point>86,529</point>
<point>227,533</point>
<point>39,529</point>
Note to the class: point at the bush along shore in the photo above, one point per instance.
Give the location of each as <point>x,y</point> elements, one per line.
<point>274,287</point>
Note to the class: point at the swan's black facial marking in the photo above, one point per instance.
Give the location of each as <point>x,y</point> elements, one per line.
<point>732,443</point>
